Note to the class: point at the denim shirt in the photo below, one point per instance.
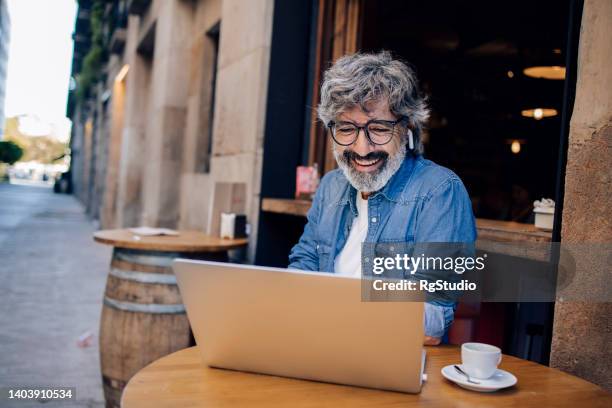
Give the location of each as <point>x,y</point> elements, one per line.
<point>422,202</point>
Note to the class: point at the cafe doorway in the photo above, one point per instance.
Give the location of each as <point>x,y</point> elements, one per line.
<point>500,79</point>
<point>495,76</point>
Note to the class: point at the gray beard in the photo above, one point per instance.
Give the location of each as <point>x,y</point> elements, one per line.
<point>374,181</point>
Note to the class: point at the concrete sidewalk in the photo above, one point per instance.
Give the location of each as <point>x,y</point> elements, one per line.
<point>52,282</point>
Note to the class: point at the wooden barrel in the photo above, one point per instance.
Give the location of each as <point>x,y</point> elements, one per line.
<point>143,317</point>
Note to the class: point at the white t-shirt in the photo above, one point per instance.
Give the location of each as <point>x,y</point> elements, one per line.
<point>348,261</point>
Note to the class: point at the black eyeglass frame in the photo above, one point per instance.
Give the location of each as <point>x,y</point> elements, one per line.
<point>393,123</point>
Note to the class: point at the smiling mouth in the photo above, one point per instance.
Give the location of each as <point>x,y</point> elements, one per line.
<point>366,163</point>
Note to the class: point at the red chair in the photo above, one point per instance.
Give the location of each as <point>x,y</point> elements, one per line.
<point>481,322</point>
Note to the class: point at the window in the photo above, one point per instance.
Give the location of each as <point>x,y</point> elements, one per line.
<point>207,99</point>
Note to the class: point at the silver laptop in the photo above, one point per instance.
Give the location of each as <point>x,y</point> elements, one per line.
<point>306,325</point>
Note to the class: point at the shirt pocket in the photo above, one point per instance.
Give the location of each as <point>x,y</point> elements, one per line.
<point>387,246</point>
<point>391,248</point>
<point>324,253</point>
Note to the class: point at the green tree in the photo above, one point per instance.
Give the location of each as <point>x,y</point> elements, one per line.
<point>10,152</point>
<point>43,149</point>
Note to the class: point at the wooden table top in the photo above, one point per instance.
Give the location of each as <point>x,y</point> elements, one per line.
<point>181,380</point>
<point>186,241</point>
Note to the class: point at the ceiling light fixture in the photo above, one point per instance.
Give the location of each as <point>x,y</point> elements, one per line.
<point>516,145</point>
<point>122,73</point>
<point>552,72</point>
<point>539,113</point>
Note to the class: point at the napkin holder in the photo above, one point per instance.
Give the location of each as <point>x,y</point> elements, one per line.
<point>544,211</point>
<point>233,225</point>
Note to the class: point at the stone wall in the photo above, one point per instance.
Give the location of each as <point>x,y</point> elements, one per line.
<point>131,163</point>
<point>196,186</point>
<point>240,104</point>
<point>114,122</point>
<point>166,116</point>
<point>166,174</point>
<point>582,332</point>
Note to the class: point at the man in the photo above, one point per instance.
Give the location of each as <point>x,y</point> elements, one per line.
<point>384,190</point>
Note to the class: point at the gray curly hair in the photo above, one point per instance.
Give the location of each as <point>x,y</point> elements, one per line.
<point>357,79</point>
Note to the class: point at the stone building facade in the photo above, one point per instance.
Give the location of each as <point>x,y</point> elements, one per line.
<point>143,145</point>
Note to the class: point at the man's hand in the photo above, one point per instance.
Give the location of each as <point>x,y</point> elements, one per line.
<point>431,341</point>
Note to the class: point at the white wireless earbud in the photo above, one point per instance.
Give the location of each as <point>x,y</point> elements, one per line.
<point>410,140</point>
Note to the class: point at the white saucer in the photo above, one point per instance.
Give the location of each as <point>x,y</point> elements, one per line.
<point>501,379</point>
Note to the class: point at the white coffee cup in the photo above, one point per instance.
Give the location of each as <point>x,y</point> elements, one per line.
<point>480,360</point>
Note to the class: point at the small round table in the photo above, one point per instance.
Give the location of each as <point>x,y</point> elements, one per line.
<point>181,380</point>
<point>143,316</point>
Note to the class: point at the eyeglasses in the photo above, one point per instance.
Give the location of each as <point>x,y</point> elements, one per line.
<point>378,132</point>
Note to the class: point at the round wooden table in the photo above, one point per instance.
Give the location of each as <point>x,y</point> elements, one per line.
<point>186,241</point>
<point>143,316</point>
<point>181,380</point>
